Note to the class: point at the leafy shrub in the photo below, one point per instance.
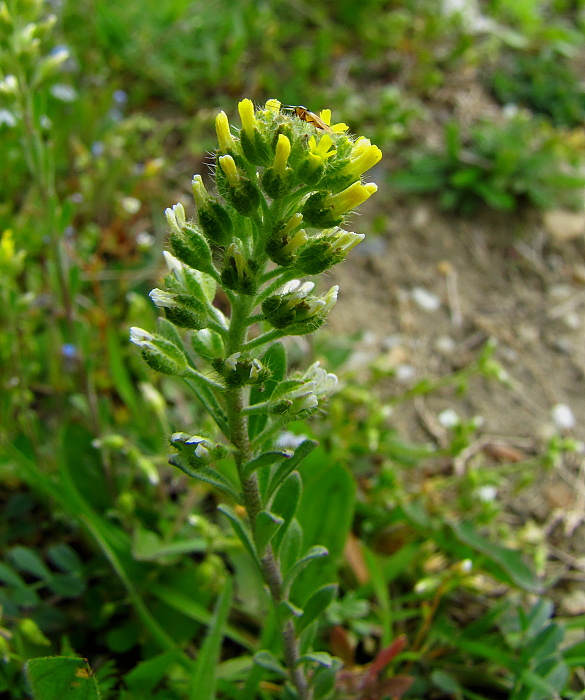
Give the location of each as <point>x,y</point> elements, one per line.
<point>501,165</point>
<point>545,83</point>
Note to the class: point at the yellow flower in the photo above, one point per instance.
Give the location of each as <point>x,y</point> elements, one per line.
<point>321,151</point>
<point>247,115</point>
<point>224,136</point>
<point>364,156</point>
<point>350,198</point>
<point>325,115</point>
<point>282,154</point>
<point>228,165</point>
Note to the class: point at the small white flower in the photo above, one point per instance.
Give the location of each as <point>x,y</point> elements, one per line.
<point>425,300</point>
<point>140,337</point>
<point>64,93</point>
<point>449,418</point>
<point>232,361</point>
<point>487,493</point>
<point>466,566</point>
<point>563,417</point>
<point>173,264</point>
<point>6,117</point>
<point>131,205</point>
<point>162,298</point>
<point>9,86</point>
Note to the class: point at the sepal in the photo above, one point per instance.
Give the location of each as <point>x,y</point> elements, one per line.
<point>159,353</point>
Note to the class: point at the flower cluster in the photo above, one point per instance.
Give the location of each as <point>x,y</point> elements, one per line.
<point>286,181</point>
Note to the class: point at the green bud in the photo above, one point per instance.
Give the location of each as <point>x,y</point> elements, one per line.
<point>295,310</point>
<point>184,310</point>
<point>159,353</point>
<point>317,214</point>
<point>277,185</point>
<point>238,273</point>
<point>283,245</point>
<point>192,249</point>
<point>329,249</point>
<point>302,395</point>
<point>237,189</point>
<point>326,210</point>
<point>255,146</point>
<point>238,370</point>
<point>208,344</point>
<point>214,219</point>
<point>197,450</point>
<point>29,628</point>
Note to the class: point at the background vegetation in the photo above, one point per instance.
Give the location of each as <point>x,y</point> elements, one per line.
<point>106,112</point>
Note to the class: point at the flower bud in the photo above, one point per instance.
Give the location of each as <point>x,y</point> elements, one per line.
<point>284,243</point>
<point>214,218</point>
<point>9,85</point>
<point>277,180</point>
<point>239,191</point>
<point>295,310</point>
<point>197,450</point>
<point>224,135</point>
<point>302,395</point>
<point>324,251</point>
<point>159,353</point>
<point>176,218</point>
<point>324,210</point>
<point>184,310</point>
<point>238,371</point>
<point>50,65</point>
<point>255,147</point>
<point>191,247</point>
<point>238,273</point>
<point>208,344</point>
<point>364,156</point>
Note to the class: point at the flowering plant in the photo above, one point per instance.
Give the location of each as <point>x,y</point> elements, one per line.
<point>286,183</point>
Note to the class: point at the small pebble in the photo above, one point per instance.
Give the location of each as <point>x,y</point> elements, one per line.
<point>425,300</point>
<point>563,417</point>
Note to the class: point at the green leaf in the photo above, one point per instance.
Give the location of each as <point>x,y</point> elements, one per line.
<point>208,400</point>
<point>275,359</point>
<point>267,525</point>
<point>61,678</point>
<point>118,372</point>
<point>316,605</point>
<point>288,465</point>
<point>10,577</point>
<point>286,610</point>
<point>286,502</point>
<point>242,531</point>
<point>208,475</point>
<point>185,605</point>
<point>24,559</point>
<point>315,552</point>
<point>144,677</point>
<point>65,558</point>
<point>266,459</point>
<point>325,514</point>
<point>203,680</point>
<point>169,331</point>
<point>508,560</point>
<point>266,660</point>
<point>66,585</point>
<point>291,546</point>
<point>319,657</point>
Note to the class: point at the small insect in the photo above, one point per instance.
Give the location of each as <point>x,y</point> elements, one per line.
<point>308,116</point>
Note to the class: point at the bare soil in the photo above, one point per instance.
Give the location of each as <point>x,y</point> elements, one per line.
<point>488,276</point>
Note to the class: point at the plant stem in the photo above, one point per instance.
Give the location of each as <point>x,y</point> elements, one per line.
<point>238,429</point>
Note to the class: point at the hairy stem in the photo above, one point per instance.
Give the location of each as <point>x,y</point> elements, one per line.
<point>238,427</point>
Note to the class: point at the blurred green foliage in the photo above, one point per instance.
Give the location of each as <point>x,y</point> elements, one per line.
<point>108,555</point>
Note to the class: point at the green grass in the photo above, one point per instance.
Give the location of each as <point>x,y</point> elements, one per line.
<point>109,554</point>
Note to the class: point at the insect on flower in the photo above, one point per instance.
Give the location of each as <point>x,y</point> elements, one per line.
<point>308,116</point>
